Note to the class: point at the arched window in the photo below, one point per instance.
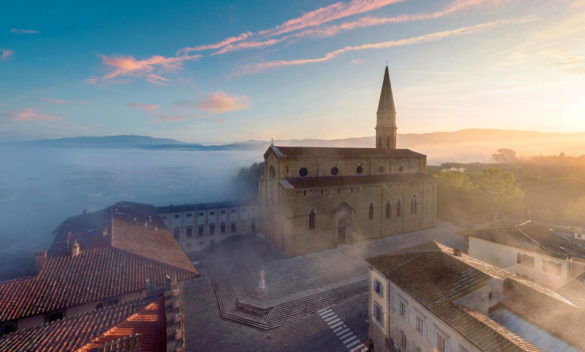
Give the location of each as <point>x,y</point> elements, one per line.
<point>398,210</point>
<point>387,142</point>
<point>371,212</point>
<point>272,172</point>
<point>311,219</point>
<point>334,170</point>
<point>413,205</point>
<point>388,210</point>
<point>189,231</point>
<point>359,169</point>
<point>303,172</point>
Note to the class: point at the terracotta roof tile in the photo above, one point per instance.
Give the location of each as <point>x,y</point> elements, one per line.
<point>99,326</point>
<point>93,275</point>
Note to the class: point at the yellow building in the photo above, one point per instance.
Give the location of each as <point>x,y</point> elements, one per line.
<point>312,199</point>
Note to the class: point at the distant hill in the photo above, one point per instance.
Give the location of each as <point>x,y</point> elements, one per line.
<point>462,146</point>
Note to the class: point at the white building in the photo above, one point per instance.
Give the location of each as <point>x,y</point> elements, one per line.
<point>196,226</point>
<point>434,298</point>
<point>530,249</point>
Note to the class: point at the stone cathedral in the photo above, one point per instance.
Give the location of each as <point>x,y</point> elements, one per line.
<point>312,199</point>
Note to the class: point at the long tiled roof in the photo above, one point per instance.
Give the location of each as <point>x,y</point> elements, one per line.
<point>88,330</point>
<point>132,227</point>
<point>328,152</point>
<point>202,206</point>
<point>340,181</point>
<point>435,277</point>
<point>532,236</point>
<point>93,275</point>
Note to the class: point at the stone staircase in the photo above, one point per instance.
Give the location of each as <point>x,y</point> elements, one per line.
<point>284,313</point>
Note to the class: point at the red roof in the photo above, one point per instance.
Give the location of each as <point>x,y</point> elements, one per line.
<point>93,275</point>
<point>92,329</point>
<point>132,227</point>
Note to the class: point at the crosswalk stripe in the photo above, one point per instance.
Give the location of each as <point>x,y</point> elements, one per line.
<point>331,318</point>
<point>323,310</point>
<point>365,349</point>
<point>356,342</point>
<point>336,324</point>
<point>358,347</point>
<point>339,328</point>
<point>341,337</point>
<point>333,322</point>
<point>351,338</point>
<point>326,314</point>
<point>340,332</point>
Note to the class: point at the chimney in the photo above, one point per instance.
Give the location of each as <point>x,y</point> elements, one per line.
<point>75,250</point>
<point>457,252</point>
<point>40,260</point>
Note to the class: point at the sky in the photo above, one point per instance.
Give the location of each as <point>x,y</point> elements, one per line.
<point>224,71</point>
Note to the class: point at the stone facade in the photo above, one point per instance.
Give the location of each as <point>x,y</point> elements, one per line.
<point>197,226</point>
<point>312,199</point>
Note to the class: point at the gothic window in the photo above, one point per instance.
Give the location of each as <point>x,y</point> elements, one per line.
<point>388,210</point>
<point>371,212</point>
<point>398,210</point>
<point>311,219</point>
<point>359,170</point>
<point>272,171</point>
<point>189,231</point>
<point>303,172</point>
<point>413,205</point>
<point>334,170</point>
<point>387,142</point>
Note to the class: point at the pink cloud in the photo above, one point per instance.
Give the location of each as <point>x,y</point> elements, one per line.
<point>367,21</point>
<point>23,31</point>
<point>6,54</point>
<point>219,102</point>
<point>316,17</point>
<point>262,66</point>
<point>145,107</point>
<point>27,115</point>
<point>65,102</point>
<point>128,66</point>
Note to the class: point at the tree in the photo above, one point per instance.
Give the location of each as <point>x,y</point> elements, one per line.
<point>454,195</point>
<point>497,193</point>
<point>505,156</point>
<point>575,212</point>
<point>247,179</point>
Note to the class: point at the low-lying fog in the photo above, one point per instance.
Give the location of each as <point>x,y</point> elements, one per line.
<point>40,187</point>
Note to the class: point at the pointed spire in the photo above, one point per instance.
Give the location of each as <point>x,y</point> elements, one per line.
<point>386,103</point>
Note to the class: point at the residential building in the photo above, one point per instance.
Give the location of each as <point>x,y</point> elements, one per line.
<point>434,298</point>
<point>197,226</point>
<point>531,249</point>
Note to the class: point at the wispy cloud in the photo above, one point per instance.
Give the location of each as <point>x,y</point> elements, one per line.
<point>144,107</point>
<point>316,17</point>
<point>23,31</point>
<point>5,54</point>
<point>149,69</point>
<point>262,66</point>
<point>219,102</point>
<point>27,115</point>
<point>65,102</point>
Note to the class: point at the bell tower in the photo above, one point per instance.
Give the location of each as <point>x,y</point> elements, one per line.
<point>386,122</point>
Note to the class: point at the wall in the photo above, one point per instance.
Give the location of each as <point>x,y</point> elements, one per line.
<point>505,256</point>
<point>243,217</point>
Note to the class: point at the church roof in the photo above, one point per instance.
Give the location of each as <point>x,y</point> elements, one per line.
<point>332,181</point>
<point>386,103</point>
<point>328,152</point>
